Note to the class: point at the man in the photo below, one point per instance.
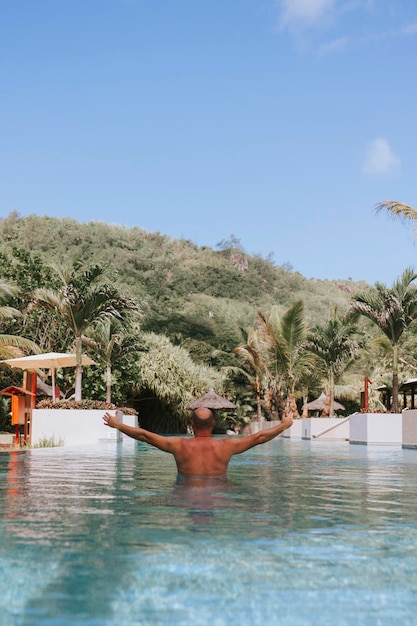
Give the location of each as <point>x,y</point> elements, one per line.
<point>201,455</point>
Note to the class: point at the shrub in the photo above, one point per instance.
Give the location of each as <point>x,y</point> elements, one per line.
<point>84,405</point>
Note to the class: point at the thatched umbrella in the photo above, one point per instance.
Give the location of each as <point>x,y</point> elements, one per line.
<point>318,404</point>
<point>211,400</point>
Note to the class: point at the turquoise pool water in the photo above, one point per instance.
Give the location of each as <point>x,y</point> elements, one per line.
<point>300,533</point>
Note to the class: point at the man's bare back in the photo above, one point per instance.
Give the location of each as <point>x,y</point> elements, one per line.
<point>201,455</point>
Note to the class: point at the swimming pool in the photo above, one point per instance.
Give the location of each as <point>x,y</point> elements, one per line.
<point>299,533</point>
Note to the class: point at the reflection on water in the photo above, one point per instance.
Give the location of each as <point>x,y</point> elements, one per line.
<point>297,533</point>
<point>201,497</point>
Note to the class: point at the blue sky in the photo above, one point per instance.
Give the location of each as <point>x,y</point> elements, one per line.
<point>281,122</point>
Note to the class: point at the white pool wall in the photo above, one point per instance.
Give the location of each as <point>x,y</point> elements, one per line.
<point>75,426</point>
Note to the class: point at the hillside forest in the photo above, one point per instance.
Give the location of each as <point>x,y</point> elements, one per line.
<point>165,321</point>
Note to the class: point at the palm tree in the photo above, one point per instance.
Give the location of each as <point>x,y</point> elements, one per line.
<point>284,336</point>
<point>393,310</point>
<point>251,354</point>
<point>110,341</point>
<point>82,301</point>
<point>397,209</point>
<point>309,381</point>
<point>12,346</point>
<point>335,346</point>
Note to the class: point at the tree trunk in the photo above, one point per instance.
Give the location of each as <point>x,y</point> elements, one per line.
<point>292,404</point>
<point>108,383</point>
<point>326,409</point>
<point>78,369</point>
<point>305,402</point>
<point>279,402</point>
<point>268,401</point>
<point>258,399</point>
<point>329,404</point>
<point>394,405</point>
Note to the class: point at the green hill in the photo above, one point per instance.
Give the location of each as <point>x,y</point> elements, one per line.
<point>190,293</point>
<point>203,300</point>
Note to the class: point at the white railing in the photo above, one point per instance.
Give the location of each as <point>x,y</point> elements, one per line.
<point>339,423</point>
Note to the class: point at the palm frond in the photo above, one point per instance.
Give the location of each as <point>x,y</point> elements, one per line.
<point>293,326</point>
<point>397,209</point>
<point>8,312</point>
<point>7,290</point>
<point>10,343</point>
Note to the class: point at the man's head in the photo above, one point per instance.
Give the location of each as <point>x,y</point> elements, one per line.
<point>202,419</point>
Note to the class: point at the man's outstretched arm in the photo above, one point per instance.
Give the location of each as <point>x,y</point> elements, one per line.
<point>167,444</point>
<point>250,441</point>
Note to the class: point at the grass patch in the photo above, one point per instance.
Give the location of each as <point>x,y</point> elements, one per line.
<point>49,442</point>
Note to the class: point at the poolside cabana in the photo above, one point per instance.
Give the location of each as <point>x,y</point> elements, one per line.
<point>211,400</point>
<point>319,403</point>
<point>409,388</point>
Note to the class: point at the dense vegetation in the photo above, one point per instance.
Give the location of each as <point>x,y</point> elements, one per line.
<point>197,305</point>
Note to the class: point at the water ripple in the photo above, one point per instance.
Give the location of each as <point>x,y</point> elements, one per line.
<point>299,534</point>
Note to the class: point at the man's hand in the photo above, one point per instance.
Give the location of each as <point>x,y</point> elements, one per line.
<point>110,420</point>
<point>287,419</point>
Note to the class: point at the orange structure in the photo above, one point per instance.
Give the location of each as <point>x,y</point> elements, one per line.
<point>23,400</point>
<point>365,395</point>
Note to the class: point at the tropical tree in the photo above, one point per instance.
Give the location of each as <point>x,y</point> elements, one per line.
<point>111,342</point>
<point>335,345</point>
<point>12,346</point>
<point>251,355</point>
<point>284,337</point>
<point>83,300</point>
<point>392,310</point>
<point>309,381</point>
<point>169,381</point>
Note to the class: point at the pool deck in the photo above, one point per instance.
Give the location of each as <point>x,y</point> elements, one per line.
<point>77,428</point>
<point>360,428</point>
